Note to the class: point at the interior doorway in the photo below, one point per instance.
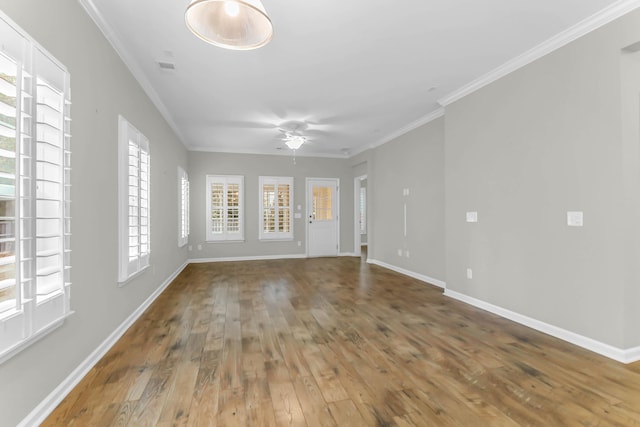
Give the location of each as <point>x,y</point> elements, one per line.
<point>360,214</point>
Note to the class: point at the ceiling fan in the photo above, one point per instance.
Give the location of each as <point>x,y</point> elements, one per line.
<point>294,141</point>
<point>298,131</point>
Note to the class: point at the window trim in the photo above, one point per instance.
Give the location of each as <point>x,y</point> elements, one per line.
<point>225,236</point>
<point>183,207</point>
<point>36,315</point>
<point>127,132</point>
<point>276,235</point>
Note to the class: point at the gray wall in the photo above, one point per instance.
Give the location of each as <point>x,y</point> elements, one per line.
<point>101,88</point>
<point>523,151</point>
<point>252,167</point>
<point>630,99</point>
<point>559,134</point>
<point>414,161</point>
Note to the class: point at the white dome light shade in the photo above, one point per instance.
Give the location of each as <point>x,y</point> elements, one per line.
<point>294,141</point>
<point>231,24</point>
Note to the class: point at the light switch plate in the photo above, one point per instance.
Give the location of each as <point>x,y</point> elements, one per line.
<point>472,216</point>
<point>574,219</point>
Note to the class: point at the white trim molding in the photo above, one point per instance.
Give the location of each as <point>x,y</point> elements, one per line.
<point>264,152</point>
<point>132,65</point>
<point>246,258</point>
<point>353,254</point>
<point>260,258</point>
<point>427,118</point>
<point>49,403</point>
<point>583,27</point>
<point>421,277</point>
<point>621,355</point>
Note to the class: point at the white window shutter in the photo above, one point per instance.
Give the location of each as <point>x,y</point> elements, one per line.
<point>134,200</point>
<point>183,207</point>
<point>35,191</point>
<point>225,208</point>
<point>276,208</point>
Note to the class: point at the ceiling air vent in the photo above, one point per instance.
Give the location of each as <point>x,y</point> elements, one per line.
<point>166,66</point>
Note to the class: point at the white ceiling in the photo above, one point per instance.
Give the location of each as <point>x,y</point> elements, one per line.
<point>347,74</point>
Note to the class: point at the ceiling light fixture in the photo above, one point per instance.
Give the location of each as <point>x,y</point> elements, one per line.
<point>294,141</point>
<point>231,24</point>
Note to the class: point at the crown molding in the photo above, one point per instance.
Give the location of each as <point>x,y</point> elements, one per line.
<point>284,152</point>
<point>585,26</point>
<point>436,114</point>
<point>131,64</point>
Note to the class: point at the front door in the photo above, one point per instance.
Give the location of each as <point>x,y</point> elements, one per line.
<point>322,217</point>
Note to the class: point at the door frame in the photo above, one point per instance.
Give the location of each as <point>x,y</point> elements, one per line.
<point>357,242</point>
<point>308,210</point>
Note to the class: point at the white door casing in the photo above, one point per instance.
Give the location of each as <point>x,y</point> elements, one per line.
<point>357,181</point>
<point>323,228</point>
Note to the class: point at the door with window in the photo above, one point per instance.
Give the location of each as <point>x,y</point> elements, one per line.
<point>322,217</point>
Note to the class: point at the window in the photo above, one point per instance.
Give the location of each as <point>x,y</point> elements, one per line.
<point>183,206</point>
<point>276,199</point>
<point>322,204</point>
<point>225,208</point>
<point>134,226</point>
<point>363,210</point>
<point>35,178</point>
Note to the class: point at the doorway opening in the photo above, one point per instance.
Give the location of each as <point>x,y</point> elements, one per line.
<point>360,217</point>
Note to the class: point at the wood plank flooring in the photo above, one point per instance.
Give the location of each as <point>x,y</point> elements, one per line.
<point>337,342</point>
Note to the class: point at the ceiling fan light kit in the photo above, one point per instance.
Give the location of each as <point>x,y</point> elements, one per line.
<point>294,141</point>
<point>230,24</point>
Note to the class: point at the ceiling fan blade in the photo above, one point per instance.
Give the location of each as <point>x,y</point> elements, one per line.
<point>334,119</point>
<point>319,133</point>
<point>244,124</point>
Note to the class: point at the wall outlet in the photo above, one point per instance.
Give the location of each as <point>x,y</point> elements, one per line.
<point>190,248</point>
<point>406,253</point>
<point>469,273</point>
<point>575,219</point>
<point>472,216</point>
<point>199,247</point>
<point>299,243</point>
<point>399,252</point>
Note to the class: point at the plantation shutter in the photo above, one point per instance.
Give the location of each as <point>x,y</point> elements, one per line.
<point>35,191</point>
<point>225,208</point>
<point>135,241</point>
<point>276,205</point>
<point>183,197</point>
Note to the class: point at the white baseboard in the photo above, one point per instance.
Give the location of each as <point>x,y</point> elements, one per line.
<point>632,354</point>
<point>246,258</point>
<point>618,354</point>
<point>44,409</point>
<point>258,258</point>
<point>347,254</point>
<point>430,280</point>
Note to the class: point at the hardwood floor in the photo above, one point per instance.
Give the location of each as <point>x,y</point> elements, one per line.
<point>337,342</point>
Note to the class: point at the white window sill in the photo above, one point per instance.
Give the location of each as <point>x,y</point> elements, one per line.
<point>12,351</point>
<point>276,239</point>
<point>133,276</point>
